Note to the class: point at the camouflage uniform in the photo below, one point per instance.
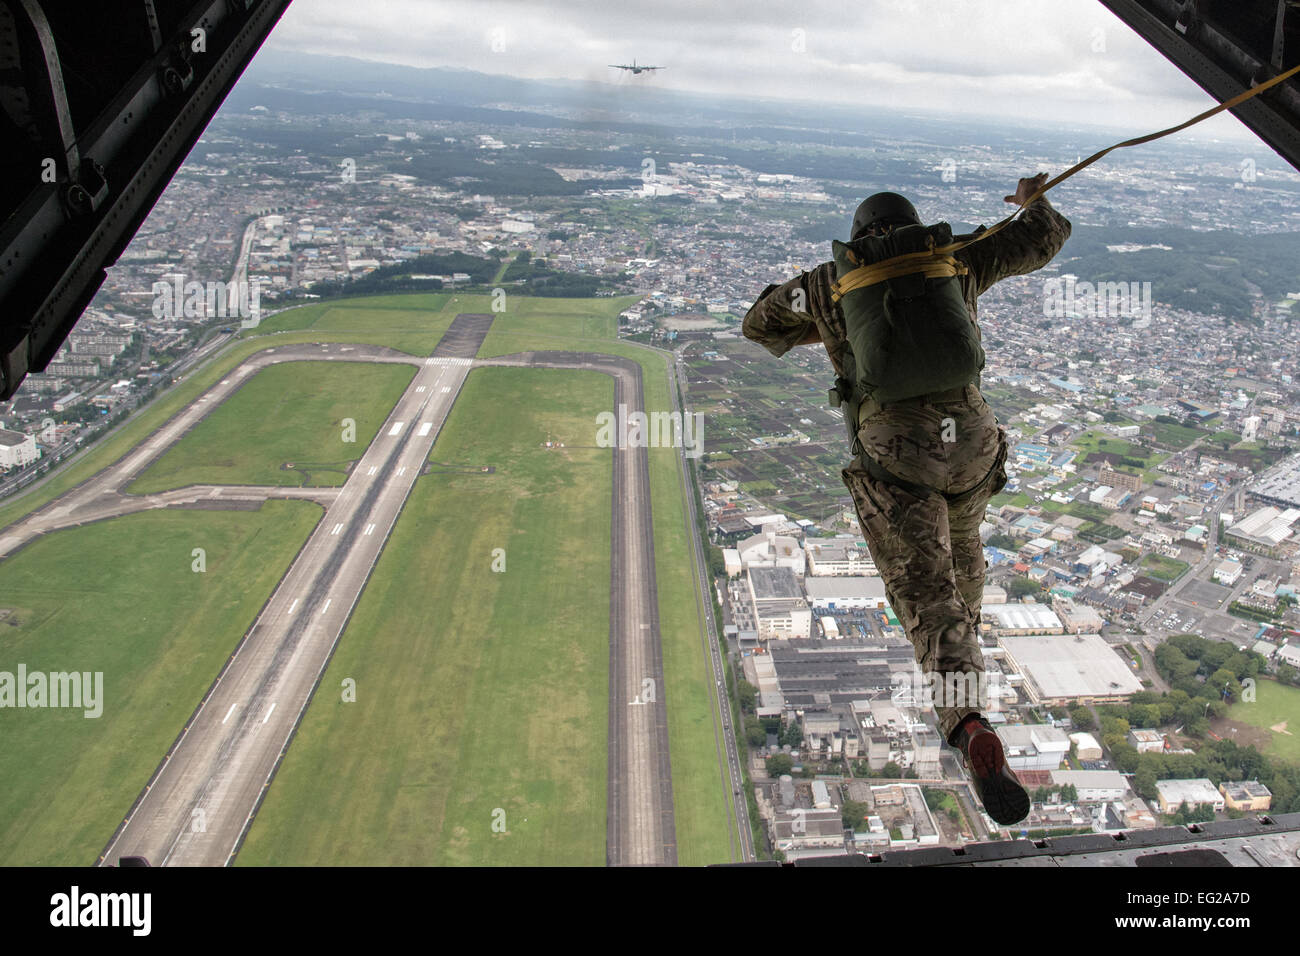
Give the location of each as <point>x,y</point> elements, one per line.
<point>926,545</point>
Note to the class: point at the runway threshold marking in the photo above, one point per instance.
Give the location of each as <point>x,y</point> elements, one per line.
<point>293,605</point>
<point>326,606</point>
<point>337,528</point>
<point>397,427</point>
<point>229,712</point>
<point>269,712</point>
<point>425,428</point>
<point>369,528</point>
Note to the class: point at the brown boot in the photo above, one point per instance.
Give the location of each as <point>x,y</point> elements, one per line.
<point>1003,797</point>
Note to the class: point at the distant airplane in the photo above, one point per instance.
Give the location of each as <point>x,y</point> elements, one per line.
<point>634,68</point>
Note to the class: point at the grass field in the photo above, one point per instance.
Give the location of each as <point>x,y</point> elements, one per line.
<point>121,597</point>
<point>477,691</point>
<point>1162,568</point>
<point>1276,711</point>
<point>285,414</point>
<point>1173,436</point>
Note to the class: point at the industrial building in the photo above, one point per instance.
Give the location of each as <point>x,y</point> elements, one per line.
<point>1266,527</point>
<point>1093,786</point>
<point>1034,746</point>
<point>1245,795</point>
<point>1086,746</point>
<point>841,593</point>
<point>1279,485</point>
<point>1146,741</point>
<point>16,449</point>
<point>780,610</point>
<point>1199,791</point>
<point>1228,572</point>
<point>767,549</point>
<point>1008,619</point>
<point>1077,618</point>
<point>839,556</point>
<point>1069,669</point>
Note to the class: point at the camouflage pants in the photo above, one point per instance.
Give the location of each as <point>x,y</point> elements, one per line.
<point>926,546</point>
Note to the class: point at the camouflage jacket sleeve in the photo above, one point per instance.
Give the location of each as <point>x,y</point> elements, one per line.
<point>1020,247</point>
<point>786,314</point>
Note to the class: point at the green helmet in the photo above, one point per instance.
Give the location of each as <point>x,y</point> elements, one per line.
<point>887,208</point>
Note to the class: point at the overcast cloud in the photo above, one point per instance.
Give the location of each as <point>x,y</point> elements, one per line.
<point>1053,61</point>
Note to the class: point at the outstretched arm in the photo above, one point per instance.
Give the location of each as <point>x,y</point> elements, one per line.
<point>1022,246</point>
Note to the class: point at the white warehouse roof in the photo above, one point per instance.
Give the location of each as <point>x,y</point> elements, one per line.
<point>846,588</point>
<point>1024,617</point>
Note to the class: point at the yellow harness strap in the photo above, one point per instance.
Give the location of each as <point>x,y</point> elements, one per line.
<point>939,261</point>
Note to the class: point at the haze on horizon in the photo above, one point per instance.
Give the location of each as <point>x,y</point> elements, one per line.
<point>1077,65</point>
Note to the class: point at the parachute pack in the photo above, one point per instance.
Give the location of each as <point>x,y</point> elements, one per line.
<point>908,328</point>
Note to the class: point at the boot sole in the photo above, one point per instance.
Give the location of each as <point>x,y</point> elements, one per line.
<point>1004,798</point>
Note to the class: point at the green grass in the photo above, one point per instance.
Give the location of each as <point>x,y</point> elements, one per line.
<point>121,597</point>
<point>1173,436</point>
<point>1274,704</point>
<point>1162,568</point>
<point>1096,441</point>
<point>475,690</point>
<point>292,413</point>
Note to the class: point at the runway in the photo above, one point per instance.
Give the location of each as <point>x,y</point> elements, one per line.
<point>197,807</point>
<point>640,826</point>
<point>199,804</point>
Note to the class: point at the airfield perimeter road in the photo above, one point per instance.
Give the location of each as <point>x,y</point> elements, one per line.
<point>204,794</point>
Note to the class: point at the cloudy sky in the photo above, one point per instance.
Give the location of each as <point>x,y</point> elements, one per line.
<point>1056,61</point>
